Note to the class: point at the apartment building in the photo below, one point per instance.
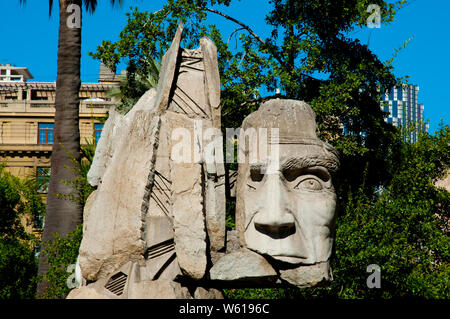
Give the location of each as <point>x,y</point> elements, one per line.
<point>404,109</point>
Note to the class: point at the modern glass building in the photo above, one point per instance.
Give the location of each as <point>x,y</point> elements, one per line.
<point>403,107</point>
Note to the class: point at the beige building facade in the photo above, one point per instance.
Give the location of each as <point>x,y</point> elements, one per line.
<point>27,111</point>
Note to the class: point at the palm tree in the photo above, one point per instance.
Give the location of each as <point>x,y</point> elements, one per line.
<point>62,216</point>
<point>133,85</point>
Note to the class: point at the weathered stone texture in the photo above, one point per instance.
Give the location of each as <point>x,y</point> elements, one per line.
<point>307,275</point>
<point>243,265</point>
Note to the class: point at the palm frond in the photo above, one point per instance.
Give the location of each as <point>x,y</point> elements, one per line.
<point>50,7</point>
<point>90,5</point>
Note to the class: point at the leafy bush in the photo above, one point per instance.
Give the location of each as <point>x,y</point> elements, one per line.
<point>18,269</point>
<point>61,253</point>
<point>18,266</point>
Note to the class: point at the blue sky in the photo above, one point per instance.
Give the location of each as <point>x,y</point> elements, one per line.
<point>30,39</point>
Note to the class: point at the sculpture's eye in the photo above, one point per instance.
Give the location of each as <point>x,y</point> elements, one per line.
<point>256,176</point>
<point>309,184</point>
<point>292,174</point>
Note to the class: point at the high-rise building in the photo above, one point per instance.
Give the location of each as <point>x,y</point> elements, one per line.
<point>403,107</point>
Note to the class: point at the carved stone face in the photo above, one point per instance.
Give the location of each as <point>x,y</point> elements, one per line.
<point>288,210</point>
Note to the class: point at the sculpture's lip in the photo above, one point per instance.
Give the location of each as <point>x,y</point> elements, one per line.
<point>290,259</point>
<point>276,255</point>
<point>287,256</point>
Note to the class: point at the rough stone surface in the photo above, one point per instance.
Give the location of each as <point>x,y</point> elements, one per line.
<point>214,203</point>
<point>167,72</point>
<point>207,293</point>
<point>159,217</point>
<point>145,102</point>
<point>445,182</point>
<point>189,223</point>
<point>232,177</point>
<point>158,289</point>
<point>232,241</point>
<point>242,265</point>
<point>212,79</point>
<point>114,233</point>
<point>139,183</point>
<point>86,292</point>
<point>88,209</point>
<point>105,147</point>
<point>159,229</point>
<point>307,275</point>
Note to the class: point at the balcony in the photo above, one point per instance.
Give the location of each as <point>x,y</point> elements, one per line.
<point>11,78</point>
<point>25,150</point>
<point>25,107</point>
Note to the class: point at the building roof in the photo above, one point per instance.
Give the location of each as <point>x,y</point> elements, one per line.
<point>20,70</point>
<point>51,86</point>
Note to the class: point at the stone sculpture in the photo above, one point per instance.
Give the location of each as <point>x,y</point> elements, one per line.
<point>155,225</point>
<point>285,209</point>
<point>151,216</point>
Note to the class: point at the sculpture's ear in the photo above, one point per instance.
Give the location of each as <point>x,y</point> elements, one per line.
<point>333,161</point>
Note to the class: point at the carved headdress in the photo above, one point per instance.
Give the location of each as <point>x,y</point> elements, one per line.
<point>296,124</point>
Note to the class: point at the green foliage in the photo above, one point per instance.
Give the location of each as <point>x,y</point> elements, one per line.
<point>18,199</point>
<point>309,56</point>
<point>404,230</point>
<point>133,85</point>
<point>229,214</point>
<point>255,293</point>
<point>61,253</point>
<point>80,184</point>
<point>18,268</point>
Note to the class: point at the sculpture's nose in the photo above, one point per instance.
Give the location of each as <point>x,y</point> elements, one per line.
<point>274,217</point>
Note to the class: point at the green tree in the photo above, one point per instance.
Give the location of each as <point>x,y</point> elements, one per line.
<point>404,229</point>
<point>18,265</point>
<point>389,212</point>
<point>309,56</point>
<point>63,216</point>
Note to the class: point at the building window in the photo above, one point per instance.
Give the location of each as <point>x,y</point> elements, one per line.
<point>43,178</point>
<point>45,133</point>
<point>98,131</point>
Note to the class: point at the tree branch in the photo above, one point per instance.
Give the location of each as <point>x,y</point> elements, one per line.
<point>257,37</point>
<point>229,38</point>
<point>246,27</point>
